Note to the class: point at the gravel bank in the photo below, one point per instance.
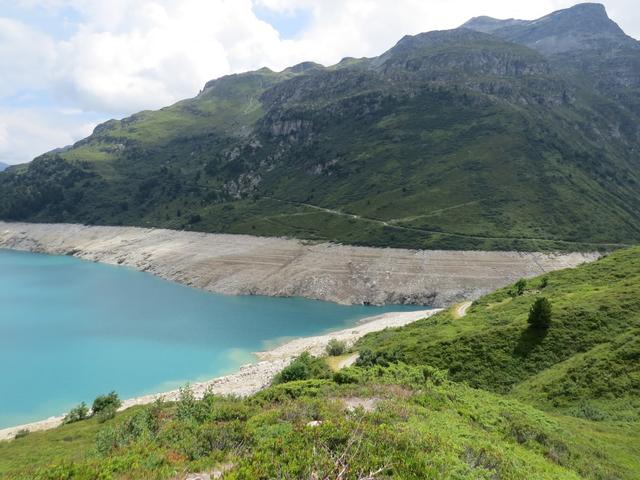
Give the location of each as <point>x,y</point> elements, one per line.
<point>245,265</point>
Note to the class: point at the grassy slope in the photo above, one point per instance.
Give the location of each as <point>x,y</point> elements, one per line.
<point>588,353</point>
<point>423,427</point>
<point>565,404</point>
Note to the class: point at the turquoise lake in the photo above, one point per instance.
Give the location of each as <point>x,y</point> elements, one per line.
<point>71,330</point>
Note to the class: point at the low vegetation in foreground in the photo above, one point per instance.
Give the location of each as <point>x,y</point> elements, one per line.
<point>540,380</point>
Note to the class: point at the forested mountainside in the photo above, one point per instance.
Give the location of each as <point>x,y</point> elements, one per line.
<point>496,135</point>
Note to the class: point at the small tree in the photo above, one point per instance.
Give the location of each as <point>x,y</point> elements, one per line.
<point>298,369</point>
<point>519,287</point>
<point>540,314</point>
<point>335,347</point>
<point>109,402</point>
<point>303,367</point>
<point>76,414</point>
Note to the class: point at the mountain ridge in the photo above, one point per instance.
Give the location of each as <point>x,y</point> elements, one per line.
<point>453,139</point>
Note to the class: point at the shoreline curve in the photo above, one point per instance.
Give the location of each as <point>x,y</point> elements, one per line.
<point>252,378</point>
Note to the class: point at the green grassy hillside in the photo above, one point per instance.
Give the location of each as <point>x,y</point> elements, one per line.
<point>454,139</point>
<point>586,360</point>
<point>483,396</point>
<point>422,426</point>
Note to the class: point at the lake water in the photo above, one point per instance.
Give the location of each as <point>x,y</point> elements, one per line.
<point>71,330</point>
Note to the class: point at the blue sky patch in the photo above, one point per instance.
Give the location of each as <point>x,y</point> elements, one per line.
<point>288,24</point>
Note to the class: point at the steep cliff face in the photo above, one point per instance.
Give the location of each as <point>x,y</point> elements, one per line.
<point>581,42</point>
<point>582,27</point>
<point>452,139</point>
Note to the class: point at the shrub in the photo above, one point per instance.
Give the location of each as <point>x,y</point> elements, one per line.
<point>107,440</point>
<point>76,414</point>
<point>588,411</point>
<point>519,288</point>
<point>304,367</point>
<point>109,402</point>
<point>106,413</point>
<point>370,358</point>
<point>21,433</point>
<point>187,406</point>
<point>335,347</point>
<point>291,390</point>
<point>345,376</point>
<point>540,314</point>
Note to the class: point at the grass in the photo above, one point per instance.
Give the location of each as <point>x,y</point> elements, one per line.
<point>596,314</point>
<point>423,426</point>
<point>335,362</point>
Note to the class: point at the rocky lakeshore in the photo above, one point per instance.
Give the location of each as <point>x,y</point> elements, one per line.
<point>254,377</point>
<point>246,265</point>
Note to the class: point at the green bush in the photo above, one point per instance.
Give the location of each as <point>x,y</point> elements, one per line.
<point>519,288</point>
<point>21,433</point>
<point>76,414</point>
<point>106,413</point>
<point>292,390</point>
<point>304,367</point>
<point>540,314</point>
<point>336,348</point>
<point>188,407</point>
<point>109,402</point>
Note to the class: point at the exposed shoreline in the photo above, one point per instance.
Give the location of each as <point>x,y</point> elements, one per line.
<point>254,377</point>
<point>246,265</point>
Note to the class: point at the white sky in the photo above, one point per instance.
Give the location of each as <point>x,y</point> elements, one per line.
<point>70,64</point>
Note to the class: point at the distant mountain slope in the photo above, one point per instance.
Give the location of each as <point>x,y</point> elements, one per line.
<point>581,42</point>
<point>3,166</point>
<point>454,139</point>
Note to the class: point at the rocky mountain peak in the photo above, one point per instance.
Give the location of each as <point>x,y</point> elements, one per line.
<point>584,17</point>
<point>304,67</point>
<point>581,27</point>
<point>486,24</point>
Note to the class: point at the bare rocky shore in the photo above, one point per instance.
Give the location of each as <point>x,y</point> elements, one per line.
<point>246,265</point>
<point>254,377</point>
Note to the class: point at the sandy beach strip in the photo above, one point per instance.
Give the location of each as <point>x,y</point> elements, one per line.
<point>254,377</point>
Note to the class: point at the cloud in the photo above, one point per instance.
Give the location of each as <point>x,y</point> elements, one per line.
<point>26,57</point>
<point>121,56</point>
<point>154,55</point>
<point>25,133</point>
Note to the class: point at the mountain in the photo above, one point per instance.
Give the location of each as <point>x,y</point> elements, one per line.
<point>3,166</point>
<point>478,396</point>
<point>584,27</point>
<point>582,42</point>
<point>497,135</point>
